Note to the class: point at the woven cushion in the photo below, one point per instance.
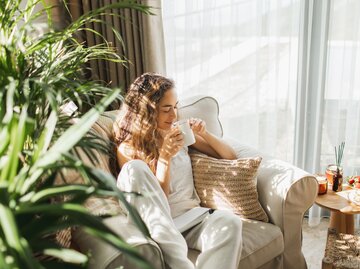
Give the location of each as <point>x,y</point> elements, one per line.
<point>228,185</point>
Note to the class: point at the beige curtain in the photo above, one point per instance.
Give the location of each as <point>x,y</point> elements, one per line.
<point>143,40</point>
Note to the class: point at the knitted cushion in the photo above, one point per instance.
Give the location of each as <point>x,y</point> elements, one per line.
<point>228,185</point>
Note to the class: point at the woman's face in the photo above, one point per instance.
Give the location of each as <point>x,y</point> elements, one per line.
<point>167,110</point>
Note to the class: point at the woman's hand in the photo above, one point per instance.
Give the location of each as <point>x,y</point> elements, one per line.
<point>208,143</point>
<point>173,141</point>
<point>198,126</point>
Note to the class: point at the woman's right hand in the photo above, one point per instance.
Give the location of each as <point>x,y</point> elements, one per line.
<point>173,141</point>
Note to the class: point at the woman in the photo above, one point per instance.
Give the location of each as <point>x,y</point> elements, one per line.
<point>154,162</point>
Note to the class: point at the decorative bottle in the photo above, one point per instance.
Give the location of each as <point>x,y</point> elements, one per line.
<point>337,180</point>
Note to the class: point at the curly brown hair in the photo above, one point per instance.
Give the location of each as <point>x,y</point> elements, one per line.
<point>138,123</point>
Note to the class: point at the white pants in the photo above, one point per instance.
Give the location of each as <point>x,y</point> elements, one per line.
<point>218,237</point>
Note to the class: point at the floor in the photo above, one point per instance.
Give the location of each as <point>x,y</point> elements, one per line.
<point>314,240</point>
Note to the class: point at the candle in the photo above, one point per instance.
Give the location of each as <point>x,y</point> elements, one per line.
<point>322,184</point>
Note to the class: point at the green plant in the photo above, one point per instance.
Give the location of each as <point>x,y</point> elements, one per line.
<point>39,72</point>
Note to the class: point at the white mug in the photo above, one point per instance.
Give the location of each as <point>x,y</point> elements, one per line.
<point>187,132</point>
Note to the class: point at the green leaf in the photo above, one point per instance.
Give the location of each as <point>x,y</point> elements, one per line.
<point>46,136</point>
<point>67,140</point>
<point>91,224</point>
<point>75,211</point>
<point>67,255</point>
<point>10,125</point>
<point>18,134</point>
<point>113,240</point>
<point>62,190</point>
<point>15,243</point>
<point>109,181</point>
<point>3,263</point>
<point>4,138</point>
<point>11,87</point>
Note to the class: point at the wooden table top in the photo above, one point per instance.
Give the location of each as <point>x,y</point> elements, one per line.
<point>335,202</point>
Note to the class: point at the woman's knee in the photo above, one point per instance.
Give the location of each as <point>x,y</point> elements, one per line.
<point>134,165</point>
<point>134,175</point>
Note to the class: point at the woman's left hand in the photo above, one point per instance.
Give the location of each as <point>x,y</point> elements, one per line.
<point>198,126</point>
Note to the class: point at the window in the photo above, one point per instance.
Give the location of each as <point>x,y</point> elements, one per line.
<point>256,57</point>
<point>243,53</point>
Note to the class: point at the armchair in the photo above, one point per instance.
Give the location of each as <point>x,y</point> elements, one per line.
<point>285,193</point>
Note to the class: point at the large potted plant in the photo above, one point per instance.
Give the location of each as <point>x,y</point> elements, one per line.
<point>40,72</point>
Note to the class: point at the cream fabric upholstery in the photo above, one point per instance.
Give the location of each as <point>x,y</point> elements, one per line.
<point>205,108</point>
<point>285,193</point>
<point>261,242</point>
<point>106,256</point>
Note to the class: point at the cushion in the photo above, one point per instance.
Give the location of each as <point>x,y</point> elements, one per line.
<point>262,242</point>
<point>228,185</point>
<point>202,107</point>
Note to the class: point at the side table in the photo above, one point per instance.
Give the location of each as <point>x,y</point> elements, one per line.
<point>341,211</point>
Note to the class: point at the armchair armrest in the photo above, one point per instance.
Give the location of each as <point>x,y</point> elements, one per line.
<point>105,256</point>
<point>285,192</point>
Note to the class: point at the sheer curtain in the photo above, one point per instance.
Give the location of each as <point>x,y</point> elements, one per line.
<point>243,53</point>
<point>285,72</point>
<point>340,116</point>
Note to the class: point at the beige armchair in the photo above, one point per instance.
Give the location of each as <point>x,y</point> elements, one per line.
<point>285,192</point>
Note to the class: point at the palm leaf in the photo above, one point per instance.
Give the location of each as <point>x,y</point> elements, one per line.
<point>112,240</point>
<point>16,244</point>
<point>38,74</point>
<point>3,263</point>
<point>66,255</point>
<point>66,141</point>
<point>108,181</point>
<point>17,138</point>
<point>54,191</point>
<point>46,136</point>
<point>91,224</point>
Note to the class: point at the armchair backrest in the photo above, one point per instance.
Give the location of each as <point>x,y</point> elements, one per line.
<point>205,108</point>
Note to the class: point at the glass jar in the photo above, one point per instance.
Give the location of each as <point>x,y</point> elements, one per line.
<point>334,175</point>
<point>323,184</point>
<point>330,171</point>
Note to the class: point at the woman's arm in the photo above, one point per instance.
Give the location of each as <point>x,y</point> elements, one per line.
<point>210,144</point>
<point>173,141</point>
<point>162,173</point>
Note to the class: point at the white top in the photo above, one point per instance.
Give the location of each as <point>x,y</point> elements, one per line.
<point>182,196</point>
